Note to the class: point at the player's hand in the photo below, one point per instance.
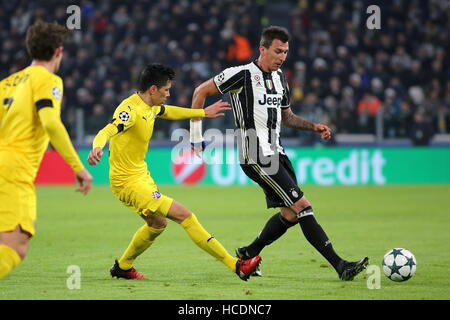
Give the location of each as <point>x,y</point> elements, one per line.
<point>324,131</point>
<point>84,178</point>
<point>216,110</point>
<point>94,156</point>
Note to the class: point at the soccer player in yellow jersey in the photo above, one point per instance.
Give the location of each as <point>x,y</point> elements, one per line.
<point>30,105</point>
<point>129,133</point>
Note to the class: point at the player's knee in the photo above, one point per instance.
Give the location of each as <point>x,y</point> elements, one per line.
<point>300,205</point>
<point>21,250</point>
<point>18,241</point>
<point>178,213</point>
<point>156,221</point>
<point>180,216</point>
<point>288,214</point>
<point>160,224</point>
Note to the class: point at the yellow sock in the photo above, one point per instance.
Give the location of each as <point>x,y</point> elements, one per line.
<point>208,243</point>
<point>8,260</point>
<point>142,240</point>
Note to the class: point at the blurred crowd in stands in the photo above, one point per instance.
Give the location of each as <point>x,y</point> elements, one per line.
<point>340,72</point>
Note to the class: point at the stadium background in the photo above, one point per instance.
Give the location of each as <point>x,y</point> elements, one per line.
<point>385,93</point>
<point>386,88</point>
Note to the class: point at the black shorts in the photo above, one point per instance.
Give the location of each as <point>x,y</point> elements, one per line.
<point>280,186</point>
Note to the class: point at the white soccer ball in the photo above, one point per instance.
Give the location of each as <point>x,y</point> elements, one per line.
<point>399,264</point>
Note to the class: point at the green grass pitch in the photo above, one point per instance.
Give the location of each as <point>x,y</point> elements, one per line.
<point>90,232</point>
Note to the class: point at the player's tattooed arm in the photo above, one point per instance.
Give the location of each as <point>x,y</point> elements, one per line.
<point>291,120</point>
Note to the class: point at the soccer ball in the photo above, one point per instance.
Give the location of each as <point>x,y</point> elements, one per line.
<point>399,264</point>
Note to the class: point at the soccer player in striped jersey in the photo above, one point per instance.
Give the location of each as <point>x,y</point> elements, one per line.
<point>129,133</point>
<point>29,118</point>
<point>260,99</point>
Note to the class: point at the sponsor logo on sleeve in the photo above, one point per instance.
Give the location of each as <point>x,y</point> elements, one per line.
<point>156,195</point>
<point>220,78</point>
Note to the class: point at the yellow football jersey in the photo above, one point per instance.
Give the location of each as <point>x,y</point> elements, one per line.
<point>130,132</point>
<point>135,119</point>
<point>23,138</point>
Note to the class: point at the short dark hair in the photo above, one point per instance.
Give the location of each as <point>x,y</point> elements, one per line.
<point>273,32</point>
<point>155,74</point>
<point>43,38</point>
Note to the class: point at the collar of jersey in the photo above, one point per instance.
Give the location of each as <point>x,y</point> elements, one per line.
<point>255,62</point>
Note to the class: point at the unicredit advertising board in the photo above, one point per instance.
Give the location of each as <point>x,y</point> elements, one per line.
<point>318,166</point>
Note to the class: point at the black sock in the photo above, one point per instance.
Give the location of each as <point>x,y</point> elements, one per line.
<point>275,227</point>
<point>317,237</point>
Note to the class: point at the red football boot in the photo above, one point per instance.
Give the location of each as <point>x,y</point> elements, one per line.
<point>126,274</point>
<point>245,268</point>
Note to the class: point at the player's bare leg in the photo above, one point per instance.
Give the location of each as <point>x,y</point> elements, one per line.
<point>13,249</point>
<point>204,240</point>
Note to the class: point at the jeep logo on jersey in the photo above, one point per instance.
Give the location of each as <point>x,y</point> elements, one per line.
<point>270,101</point>
<point>124,116</point>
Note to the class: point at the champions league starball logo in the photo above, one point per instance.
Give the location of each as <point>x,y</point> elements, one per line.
<point>56,92</point>
<point>124,116</point>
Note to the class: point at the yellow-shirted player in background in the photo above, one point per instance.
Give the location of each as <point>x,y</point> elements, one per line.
<point>130,132</point>
<point>30,105</point>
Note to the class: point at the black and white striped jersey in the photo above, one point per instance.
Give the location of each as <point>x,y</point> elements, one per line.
<point>257,98</point>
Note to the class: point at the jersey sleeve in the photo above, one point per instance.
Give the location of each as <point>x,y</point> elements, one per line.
<point>124,117</point>
<point>230,79</point>
<point>286,100</point>
<point>104,135</point>
<point>47,97</point>
<point>179,113</point>
<point>59,137</point>
<point>48,93</point>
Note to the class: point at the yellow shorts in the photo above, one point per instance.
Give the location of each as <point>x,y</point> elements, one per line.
<point>17,201</point>
<point>143,197</point>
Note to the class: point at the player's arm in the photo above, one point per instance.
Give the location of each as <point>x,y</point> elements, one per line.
<point>123,119</point>
<point>47,96</point>
<point>178,113</point>
<point>100,141</point>
<point>207,88</point>
<point>228,80</point>
<point>60,140</point>
<point>291,120</point>
<point>196,113</point>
